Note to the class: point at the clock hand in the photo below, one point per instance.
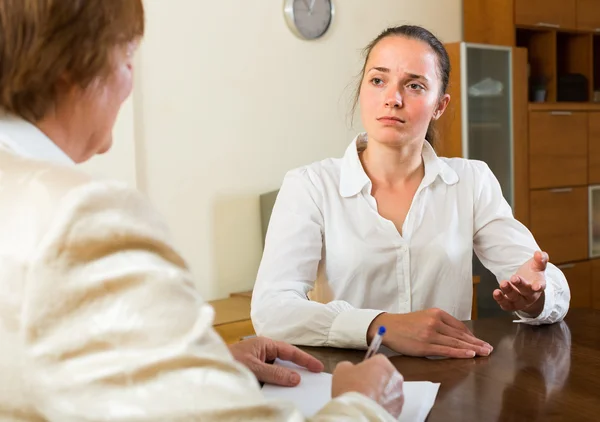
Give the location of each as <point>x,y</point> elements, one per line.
<point>307,5</point>
<point>310,8</point>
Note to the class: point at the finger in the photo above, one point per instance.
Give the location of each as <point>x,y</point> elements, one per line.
<point>503,301</point>
<point>285,351</point>
<point>455,343</point>
<point>526,288</point>
<point>393,393</point>
<point>446,351</point>
<point>540,261</point>
<point>510,291</point>
<point>343,365</point>
<point>479,346</point>
<point>275,374</point>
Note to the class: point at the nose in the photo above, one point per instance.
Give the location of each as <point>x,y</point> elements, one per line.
<point>393,98</point>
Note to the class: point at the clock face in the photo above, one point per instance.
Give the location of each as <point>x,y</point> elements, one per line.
<point>310,19</point>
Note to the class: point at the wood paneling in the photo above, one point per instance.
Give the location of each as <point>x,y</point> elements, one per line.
<point>450,124</point>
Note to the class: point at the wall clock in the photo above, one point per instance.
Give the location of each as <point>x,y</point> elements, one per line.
<point>309,19</point>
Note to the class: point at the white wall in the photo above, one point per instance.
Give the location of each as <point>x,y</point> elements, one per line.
<point>120,161</point>
<point>227,100</point>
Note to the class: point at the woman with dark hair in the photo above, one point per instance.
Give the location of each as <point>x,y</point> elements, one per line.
<point>385,235</point>
<point>99,318</point>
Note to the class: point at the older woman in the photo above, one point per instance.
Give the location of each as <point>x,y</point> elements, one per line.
<point>99,319</point>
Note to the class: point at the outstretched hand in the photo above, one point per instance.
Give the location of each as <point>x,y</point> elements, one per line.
<point>525,289</point>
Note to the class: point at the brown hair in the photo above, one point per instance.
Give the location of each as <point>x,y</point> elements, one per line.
<point>421,34</point>
<point>43,41</point>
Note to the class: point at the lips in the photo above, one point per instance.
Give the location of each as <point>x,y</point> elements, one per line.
<point>391,119</point>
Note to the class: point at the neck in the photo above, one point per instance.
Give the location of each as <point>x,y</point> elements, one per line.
<point>63,130</point>
<point>392,166</point>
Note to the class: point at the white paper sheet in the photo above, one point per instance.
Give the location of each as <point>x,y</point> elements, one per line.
<point>314,391</point>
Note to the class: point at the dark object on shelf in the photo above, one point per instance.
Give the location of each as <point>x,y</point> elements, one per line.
<point>572,87</point>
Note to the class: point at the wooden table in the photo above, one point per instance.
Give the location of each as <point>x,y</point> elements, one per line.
<point>545,373</point>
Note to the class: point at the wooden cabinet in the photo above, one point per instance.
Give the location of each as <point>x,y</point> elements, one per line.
<point>596,283</point>
<point>579,277</point>
<point>232,318</point>
<point>489,22</point>
<point>594,148</point>
<point>546,13</point>
<point>559,223</point>
<point>558,149</point>
<point>490,128</point>
<point>588,15</point>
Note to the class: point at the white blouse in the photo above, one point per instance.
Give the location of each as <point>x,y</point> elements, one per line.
<point>325,227</point>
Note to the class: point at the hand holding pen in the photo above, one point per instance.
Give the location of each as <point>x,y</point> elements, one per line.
<point>375,377</point>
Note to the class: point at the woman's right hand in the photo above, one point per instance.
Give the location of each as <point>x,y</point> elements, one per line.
<point>375,378</point>
<point>431,332</point>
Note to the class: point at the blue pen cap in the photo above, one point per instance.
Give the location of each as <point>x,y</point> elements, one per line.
<point>381,330</point>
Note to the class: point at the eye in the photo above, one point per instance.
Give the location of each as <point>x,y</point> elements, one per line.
<point>416,87</point>
<point>376,81</point>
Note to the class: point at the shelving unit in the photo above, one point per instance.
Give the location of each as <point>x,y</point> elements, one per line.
<point>557,142</point>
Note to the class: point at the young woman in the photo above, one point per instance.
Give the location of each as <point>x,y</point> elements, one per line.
<point>387,231</point>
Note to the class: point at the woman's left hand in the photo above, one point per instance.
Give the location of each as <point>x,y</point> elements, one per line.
<point>255,352</point>
<point>525,289</point>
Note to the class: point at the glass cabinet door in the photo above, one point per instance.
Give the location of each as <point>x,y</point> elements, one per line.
<point>594,220</point>
<point>487,110</point>
<point>487,134</point>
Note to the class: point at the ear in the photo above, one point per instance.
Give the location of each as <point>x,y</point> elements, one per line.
<point>441,107</point>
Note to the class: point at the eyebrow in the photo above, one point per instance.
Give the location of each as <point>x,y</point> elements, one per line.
<point>410,75</point>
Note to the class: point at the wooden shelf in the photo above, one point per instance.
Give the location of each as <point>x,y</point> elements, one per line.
<point>558,30</point>
<point>564,106</point>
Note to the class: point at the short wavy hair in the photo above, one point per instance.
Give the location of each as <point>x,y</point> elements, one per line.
<point>42,41</point>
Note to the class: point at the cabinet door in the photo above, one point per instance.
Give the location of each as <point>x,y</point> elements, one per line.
<point>579,277</point>
<point>489,22</point>
<point>546,13</point>
<point>559,223</point>
<point>489,106</point>
<point>588,15</point>
<point>596,284</point>
<point>594,148</point>
<point>558,148</point>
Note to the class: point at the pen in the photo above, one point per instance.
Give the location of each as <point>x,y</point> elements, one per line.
<point>374,347</point>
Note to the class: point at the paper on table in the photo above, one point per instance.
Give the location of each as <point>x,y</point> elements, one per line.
<point>314,391</point>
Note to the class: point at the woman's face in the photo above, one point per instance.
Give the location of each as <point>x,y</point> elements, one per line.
<point>400,91</point>
<point>104,97</point>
